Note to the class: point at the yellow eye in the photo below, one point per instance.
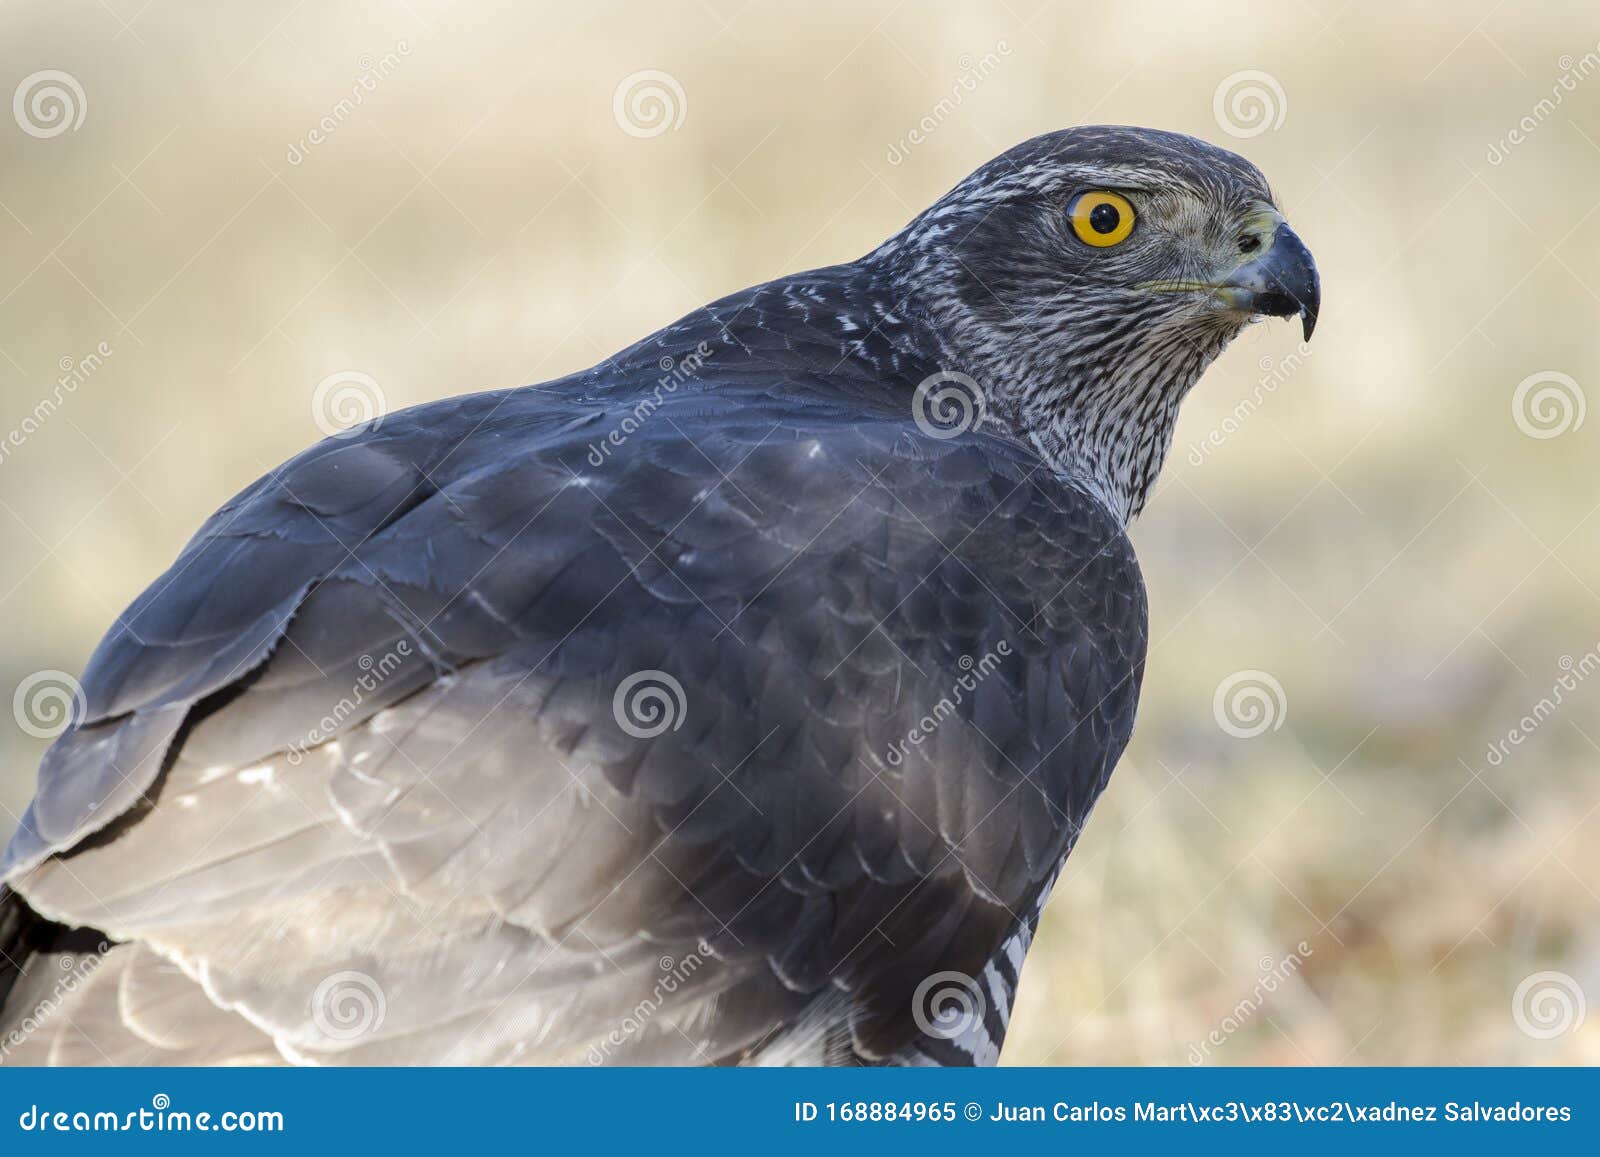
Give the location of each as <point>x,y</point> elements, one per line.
<point>1101,219</point>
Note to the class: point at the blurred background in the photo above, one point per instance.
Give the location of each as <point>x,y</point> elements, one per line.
<point>1360,819</point>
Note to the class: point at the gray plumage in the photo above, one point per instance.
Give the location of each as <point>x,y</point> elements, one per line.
<point>702,707</point>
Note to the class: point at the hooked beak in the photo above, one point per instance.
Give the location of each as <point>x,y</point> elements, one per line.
<point>1281,280</point>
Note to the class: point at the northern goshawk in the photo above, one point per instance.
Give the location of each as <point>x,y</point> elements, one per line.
<point>738,699</point>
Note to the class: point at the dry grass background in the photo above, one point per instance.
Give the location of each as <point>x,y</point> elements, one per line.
<point>1378,534</point>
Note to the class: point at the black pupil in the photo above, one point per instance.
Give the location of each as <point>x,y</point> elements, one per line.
<point>1104,218</point>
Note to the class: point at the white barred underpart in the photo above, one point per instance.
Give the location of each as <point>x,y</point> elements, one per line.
<point>980,1044</point>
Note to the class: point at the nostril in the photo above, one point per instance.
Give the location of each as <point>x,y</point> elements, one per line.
<point>1249,243</point>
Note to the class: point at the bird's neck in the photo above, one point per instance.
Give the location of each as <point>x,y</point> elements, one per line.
<point>1102,412</point>
<point>1106,428</point>
<point>1109,435</point>
<point>1111,432</point>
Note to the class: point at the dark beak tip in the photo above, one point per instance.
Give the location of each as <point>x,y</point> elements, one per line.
<point>1308,321</point>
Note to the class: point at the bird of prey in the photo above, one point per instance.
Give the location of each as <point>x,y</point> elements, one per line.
<point>735,701</point>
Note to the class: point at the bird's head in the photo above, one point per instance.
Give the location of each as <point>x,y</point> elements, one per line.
<point>1086,278</point>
